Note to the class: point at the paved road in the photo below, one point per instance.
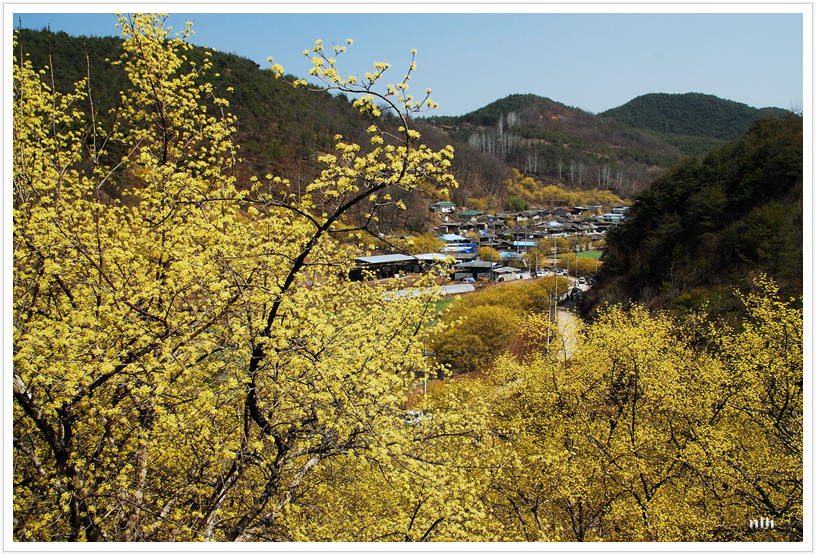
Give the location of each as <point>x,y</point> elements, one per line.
<point>569,323</point>
<point>568,326</point>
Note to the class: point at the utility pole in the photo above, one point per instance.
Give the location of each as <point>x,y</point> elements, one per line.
<point>576,262</point>
<point>555,266</point>
<point>549,319</point>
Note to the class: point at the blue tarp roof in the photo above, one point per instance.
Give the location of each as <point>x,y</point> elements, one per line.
<point>453,237</point>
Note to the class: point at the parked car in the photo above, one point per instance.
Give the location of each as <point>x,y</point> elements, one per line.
<point>581,279</point>
<point>541,273</point>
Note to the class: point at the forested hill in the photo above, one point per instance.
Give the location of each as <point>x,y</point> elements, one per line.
<point>280,129</point>
<point>690,114</point>
<point>693,122</point>
<point>708,225</point>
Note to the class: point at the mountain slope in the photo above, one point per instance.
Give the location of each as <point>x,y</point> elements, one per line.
<point>280,129</point>
<point>683,118</point>
<point>710,224</point>
<point>563,145</point>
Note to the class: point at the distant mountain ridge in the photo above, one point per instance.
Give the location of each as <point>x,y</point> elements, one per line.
<point>283,130</point>
<point>693,114</point>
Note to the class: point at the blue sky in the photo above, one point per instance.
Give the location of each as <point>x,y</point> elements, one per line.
<point>594,61</point>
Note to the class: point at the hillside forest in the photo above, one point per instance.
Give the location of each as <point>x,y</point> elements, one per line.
<point>191,362</point>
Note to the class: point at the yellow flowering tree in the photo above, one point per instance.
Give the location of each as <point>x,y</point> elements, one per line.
<point>186,363</point>
<point>489,254</point>
<point>658,430</point>
<point>423,244</point>
<point>753,456</point>
<point>435,491</point>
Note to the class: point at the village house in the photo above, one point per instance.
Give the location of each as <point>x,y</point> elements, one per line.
<point>443,207</point>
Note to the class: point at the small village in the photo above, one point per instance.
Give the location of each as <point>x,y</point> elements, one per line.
<point>513,236</point>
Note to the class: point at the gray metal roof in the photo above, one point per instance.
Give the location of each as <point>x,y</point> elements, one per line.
<point>456,289</point>
<point>432,256</point>
<point>385,259</point>
<point>475,264</point>
<point>443,290</point>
